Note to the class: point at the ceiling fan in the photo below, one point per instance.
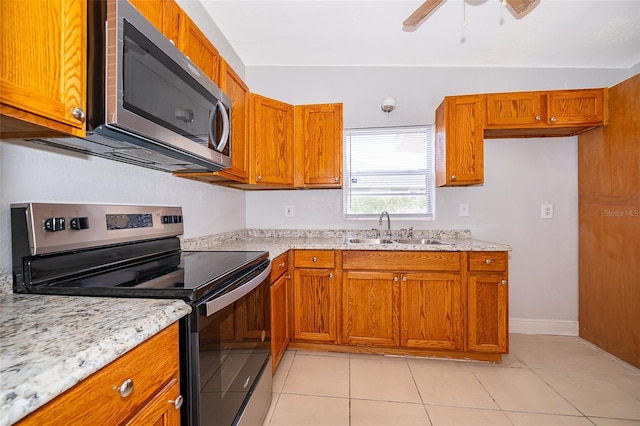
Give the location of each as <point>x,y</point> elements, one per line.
<point>518,8</point>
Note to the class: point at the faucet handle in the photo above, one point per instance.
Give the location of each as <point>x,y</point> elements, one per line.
<point>401,232</point>
<point>410,232</point>
<point>377,232</point>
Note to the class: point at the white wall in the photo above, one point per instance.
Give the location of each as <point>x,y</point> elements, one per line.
<point>520,174</point>
<point>30,172</point>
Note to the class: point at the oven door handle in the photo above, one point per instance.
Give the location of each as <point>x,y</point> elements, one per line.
<point>213,306</point>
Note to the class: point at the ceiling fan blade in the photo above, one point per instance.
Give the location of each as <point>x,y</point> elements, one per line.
<point>520,8</point>
<point>422,12</point>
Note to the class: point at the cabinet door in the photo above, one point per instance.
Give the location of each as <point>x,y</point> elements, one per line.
<point>370,308</point>
<point>576,107</point>
<point>271,141</point>
<point>507,109</point>
<point>162,410</point>
<point>237,90</point>
<point>171,19</point>
<point>487,315</point>
<point>279,319</point>
<point>431,311</point>
<point>194,44</point>
<point>42,67</point>
<point>152,10</point>
<point>459,141</point>
<point>318,146</point>
<point>314,316</point>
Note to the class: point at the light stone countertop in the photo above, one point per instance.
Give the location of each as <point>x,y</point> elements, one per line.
<point>50,343</point>
<point>279,241</point>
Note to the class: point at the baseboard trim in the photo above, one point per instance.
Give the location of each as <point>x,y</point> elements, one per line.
<point>537,326</point>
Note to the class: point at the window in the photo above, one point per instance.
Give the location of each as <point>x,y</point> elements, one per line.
<point>389,169</point>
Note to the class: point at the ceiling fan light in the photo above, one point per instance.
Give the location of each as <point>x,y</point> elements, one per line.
<point>520,8</point>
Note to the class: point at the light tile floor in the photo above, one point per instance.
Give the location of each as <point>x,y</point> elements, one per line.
<point>545,380</point>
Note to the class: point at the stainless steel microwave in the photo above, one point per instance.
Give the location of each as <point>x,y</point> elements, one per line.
<point>148,104</point>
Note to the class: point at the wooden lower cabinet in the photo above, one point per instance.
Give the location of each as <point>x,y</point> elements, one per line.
<point>314,304</point>
<point>157,412</point>
<point>452,304</point>
<point>488,299</point>
<point>431,314</point>
<point>280,290</point>
<point>152,367</point>
<point>370,306</point>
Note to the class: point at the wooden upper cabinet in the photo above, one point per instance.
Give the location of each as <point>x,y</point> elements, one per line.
<point>42,68</point>
<point>271,142</point>
<point>545,113</point>
<point>233,86</point>
<point>569,107</point>
<point>195,45</point>
<point>152,10</point>
<point>318,146</point>
<point>171,19</point>
<point>459,141</point>
<point>514,108</point>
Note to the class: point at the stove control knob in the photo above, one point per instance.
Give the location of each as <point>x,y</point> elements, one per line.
<point>79,223</point>
<point>167,219</point>
<point>54,224</point>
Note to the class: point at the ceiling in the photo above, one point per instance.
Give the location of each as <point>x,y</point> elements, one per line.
<point>558,33</point>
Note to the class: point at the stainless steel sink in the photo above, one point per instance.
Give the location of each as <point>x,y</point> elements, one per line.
<point>419,241</point>
<point>422,241</point>
<point>369,241</point>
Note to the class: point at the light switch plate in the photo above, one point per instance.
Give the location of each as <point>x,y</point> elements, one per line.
<point>463,209</point>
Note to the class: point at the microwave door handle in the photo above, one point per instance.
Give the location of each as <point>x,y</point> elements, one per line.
<point>224,138</point>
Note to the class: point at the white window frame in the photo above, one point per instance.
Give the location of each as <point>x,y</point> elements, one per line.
<point>365,135</point>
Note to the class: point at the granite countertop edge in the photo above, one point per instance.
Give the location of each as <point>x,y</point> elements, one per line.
<point>48,344</point>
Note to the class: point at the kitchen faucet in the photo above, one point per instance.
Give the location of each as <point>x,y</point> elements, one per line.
<point>384,212</point>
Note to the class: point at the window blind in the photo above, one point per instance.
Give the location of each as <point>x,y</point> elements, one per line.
<point>389,169</point>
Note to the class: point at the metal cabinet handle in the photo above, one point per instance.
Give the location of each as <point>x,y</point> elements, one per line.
<point>288,277</point>
<point>453,177</point>
<point>281,265</point>
<point>553,119</point>
<point>259,177</point>
<point>126,388</point>
<point>504,282</point>
<point>488,261</point>
<point>78,114</point>
<point>315,259</point>
<point>395,279</point>
<point>538,118</point>
<point>330,275</point>
<point>336,179</point>
<point>177,403</point>
<point>404,278</point>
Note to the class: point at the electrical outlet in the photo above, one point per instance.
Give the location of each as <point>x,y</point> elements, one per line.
<point>463,209</point>
<point>288,211</point>
<point>547,211</point>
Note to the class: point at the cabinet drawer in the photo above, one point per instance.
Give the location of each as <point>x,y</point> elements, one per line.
<point>313,259</point>
<point>279,266</point>
<point>488,261</point>
<point>97,400</point>
<point>401,260</point>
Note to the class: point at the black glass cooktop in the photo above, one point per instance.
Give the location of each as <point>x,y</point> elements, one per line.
<point>189,275</point>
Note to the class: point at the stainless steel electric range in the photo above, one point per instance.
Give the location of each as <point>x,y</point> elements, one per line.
<point>134,251</point>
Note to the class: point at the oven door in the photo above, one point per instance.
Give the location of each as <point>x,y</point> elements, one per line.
<point>230,348</point>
